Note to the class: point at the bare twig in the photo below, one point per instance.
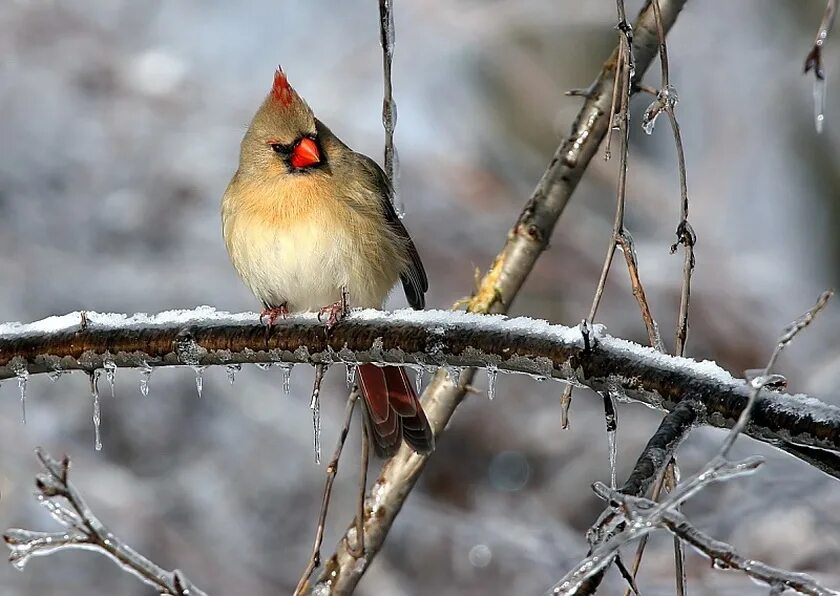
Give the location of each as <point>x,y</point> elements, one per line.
<point>83,530</point>
<point>723,555</point>
<point>619,110</point>
<point>332,471</point>
<point>619,524</point>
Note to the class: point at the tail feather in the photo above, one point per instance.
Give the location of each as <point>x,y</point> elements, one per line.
<point>393,410</point>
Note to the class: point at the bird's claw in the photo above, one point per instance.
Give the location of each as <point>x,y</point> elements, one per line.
<point>335,311</point>
<point>270,315</point>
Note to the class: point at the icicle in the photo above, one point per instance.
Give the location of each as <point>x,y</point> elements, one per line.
<point>286,373</point>
<point>199,379</point>
<point>819,103</point>
<point>231,370</point>
<point>264,365</point>
<point>350,372</point>
<point>22,375</point>
<point>56,374</point>
<point>111,375</point>
<point>315,406</point>
<point>97,412</point>
<point>611,417</point>
<point>418,379</point>
<point>454,374</point>
<point>492,373</point>
<point>145,377</point>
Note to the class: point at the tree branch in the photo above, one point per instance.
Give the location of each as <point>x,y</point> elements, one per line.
<point>205,337</point>
<point>83,530</point>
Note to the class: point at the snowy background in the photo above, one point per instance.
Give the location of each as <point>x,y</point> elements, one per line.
<point>119,128</point>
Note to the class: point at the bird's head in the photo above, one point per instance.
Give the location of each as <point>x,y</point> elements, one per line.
<point>283,136</point>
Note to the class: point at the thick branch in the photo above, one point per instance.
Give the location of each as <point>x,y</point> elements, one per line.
<point>426,338</point>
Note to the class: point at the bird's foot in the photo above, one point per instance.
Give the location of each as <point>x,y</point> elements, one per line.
<point>335,311</point>
<point>270,315</point>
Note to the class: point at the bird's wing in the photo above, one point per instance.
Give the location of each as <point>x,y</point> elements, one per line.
<point>414,279</point>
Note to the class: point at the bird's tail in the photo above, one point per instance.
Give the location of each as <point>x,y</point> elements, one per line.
<point>394,412</point>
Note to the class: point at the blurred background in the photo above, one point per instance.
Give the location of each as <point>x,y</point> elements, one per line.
<point>120,125</point>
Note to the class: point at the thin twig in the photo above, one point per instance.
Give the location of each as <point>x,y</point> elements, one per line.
<point>617,525</point>
<point>620,110</point>
<point>83,530</point>
<point>723,555</point>
<point>332,471</point>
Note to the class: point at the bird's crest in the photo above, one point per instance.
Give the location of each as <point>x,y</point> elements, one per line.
<point>281,89</point>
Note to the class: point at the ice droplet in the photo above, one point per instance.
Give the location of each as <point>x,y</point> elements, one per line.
<point>418,379</point>
<point>97,412</point>
<point>492,373</point>
<point>286,373</point>
<point>22,375</point>
<point>111,375</point>
<point>145,377</point>
<point>199,379</point>
<point>264,365</point>
<point>350,372</point>
<point>231,370</point>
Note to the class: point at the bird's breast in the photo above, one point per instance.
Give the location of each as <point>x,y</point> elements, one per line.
<point>304,252</point>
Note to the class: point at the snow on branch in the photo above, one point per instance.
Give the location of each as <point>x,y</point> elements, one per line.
<point>427,339</point>
<point>83,530</point>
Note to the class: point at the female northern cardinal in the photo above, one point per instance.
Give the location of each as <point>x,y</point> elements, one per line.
<point>306,219</point>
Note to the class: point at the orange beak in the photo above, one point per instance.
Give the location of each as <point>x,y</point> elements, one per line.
<point>305,154</point>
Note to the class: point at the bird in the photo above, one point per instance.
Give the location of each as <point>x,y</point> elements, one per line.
<point>309,225</point>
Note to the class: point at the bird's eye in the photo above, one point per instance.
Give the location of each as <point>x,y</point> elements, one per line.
<point>281,149</point>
